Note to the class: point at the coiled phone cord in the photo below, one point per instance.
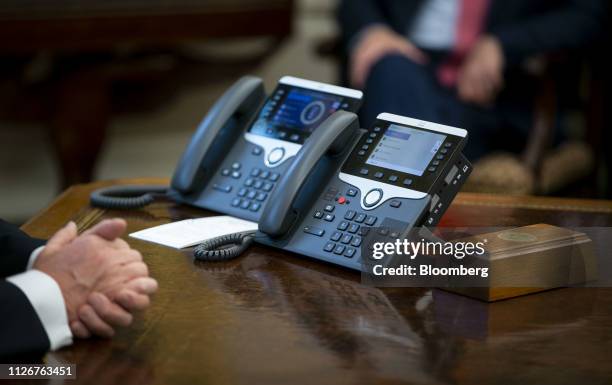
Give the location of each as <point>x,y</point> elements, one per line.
<point>126,197</point>
<point>136,196</point>
<point>213,250</point>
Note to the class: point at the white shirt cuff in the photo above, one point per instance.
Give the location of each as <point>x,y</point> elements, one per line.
<point>46,297</point>
<point>34,257</point>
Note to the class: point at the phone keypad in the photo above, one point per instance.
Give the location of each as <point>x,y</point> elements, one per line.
<point>349,232</point>
<point>255,189</point>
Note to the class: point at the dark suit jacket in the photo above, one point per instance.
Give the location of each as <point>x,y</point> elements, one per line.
<point>21,332</point>
<point>524,27</point>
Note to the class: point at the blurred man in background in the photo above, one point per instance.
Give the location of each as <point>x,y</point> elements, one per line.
<point>79,285</point>
<point>459,62</point>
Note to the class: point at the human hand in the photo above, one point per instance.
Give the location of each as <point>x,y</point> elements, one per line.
<point>481,75</point>
<point>376,42</point>
<point>92,269</point>
<point>100,315</point>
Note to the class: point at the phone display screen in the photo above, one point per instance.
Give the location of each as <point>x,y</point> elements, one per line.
<point>293,113</point>
<point>406,149</point>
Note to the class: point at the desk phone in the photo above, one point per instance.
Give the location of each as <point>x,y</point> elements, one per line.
<point>243,169</point>
<point>243,146</point>
<point>299,164</point>
<point>400,174</point>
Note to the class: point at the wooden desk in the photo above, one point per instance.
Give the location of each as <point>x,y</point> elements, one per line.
<point>273,318</point>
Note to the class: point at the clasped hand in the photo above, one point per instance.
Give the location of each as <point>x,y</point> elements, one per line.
<point>480,77</point>
<point>103,280</point>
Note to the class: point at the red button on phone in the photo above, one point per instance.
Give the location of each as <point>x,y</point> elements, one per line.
<point>342,200</point>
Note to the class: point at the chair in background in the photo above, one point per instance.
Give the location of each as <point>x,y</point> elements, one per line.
<point>573,167</point>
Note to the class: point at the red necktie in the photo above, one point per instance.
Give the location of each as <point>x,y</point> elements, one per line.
<point>472,16</point>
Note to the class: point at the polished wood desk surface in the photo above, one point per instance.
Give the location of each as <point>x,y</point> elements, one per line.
<point>275,318</point>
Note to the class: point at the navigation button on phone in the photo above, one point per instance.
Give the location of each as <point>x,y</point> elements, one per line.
<point>372,197</point>
<point>276,155</point>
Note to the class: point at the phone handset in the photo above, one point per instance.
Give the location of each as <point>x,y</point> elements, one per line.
<point>330,138</point>
<point>239,103</point>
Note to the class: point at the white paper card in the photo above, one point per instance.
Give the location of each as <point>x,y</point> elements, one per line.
<point>191,232</point>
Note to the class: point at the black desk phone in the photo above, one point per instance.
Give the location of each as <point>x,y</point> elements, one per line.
<point>314,181</point>
<point>399,175</point>
<point>243,147</point>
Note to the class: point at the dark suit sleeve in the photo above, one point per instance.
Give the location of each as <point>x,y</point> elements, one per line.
<point>22,335</point>
<point>570,25</point>
<point>354,15</point>
<point>15,249</point>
